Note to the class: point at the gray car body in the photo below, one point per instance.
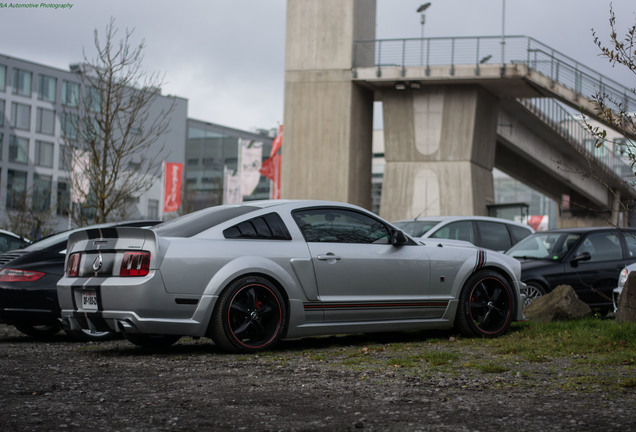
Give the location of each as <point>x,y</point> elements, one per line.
<point>370,288</point>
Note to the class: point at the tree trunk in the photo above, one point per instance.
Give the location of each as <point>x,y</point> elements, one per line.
<point>627,303</point>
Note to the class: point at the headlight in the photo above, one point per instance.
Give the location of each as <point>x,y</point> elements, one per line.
<point>622,278</point>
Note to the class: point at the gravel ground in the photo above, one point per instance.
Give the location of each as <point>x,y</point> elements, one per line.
<point>311,384</point>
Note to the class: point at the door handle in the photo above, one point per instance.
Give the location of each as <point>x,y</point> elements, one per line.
<point>328,257</point>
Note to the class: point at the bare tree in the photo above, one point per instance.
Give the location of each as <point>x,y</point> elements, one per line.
<point>113,135</point>
<point>617,115</point>
<point>30,214</point>
<point>613,112</point>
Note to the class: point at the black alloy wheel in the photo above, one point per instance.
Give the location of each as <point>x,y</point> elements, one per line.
<point>38,331</point>
<point>250,316</point>
<point>485,305</point>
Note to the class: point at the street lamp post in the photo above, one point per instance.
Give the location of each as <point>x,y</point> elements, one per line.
<point>421,11</point>
<point>503,36</point>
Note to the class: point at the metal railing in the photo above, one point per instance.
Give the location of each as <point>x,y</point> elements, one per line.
<point>572,129</point>
<point>559,68</point>
<point>478,50</point>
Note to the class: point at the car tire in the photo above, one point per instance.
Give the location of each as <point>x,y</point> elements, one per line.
<point>533,290</point>
<point>485,305</point>
<point>152,340</point>
<point>89,335</point>
<point>250,316</point>
<point>38,331</point>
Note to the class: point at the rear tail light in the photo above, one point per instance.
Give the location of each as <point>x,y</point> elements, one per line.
<point>135,264</point>
<point>15,275</point>
<point>72,268</point>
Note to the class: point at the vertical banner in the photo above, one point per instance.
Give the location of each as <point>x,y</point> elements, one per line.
<point>272,166</point>
<point>250,159</point>
<point>80,186</point>
<point>232,187</point>
<point>172,186</point>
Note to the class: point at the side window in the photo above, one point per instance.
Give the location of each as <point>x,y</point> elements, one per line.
<point>266,227</point>
<point>630,239</point>
<point>494,235</point>
<point>602,246</point>
<point>340,226</point>
<point>462,230</point>
<point>518,233</point>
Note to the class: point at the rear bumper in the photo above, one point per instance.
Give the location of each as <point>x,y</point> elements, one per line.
<point>130,322</point>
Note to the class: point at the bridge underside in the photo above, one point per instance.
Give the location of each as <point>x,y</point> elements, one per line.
<point>445,133</point>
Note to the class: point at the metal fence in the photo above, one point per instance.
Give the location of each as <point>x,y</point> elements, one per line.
<point>473,50</point>
<point>572,129</point>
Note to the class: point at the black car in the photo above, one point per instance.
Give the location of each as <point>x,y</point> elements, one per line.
<point>28,285</point>
<point>588,259</point>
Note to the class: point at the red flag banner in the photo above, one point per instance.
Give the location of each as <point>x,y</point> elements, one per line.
<point>272,166</point>
<point>172,186</point>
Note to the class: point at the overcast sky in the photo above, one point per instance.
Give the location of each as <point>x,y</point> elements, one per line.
<point>227,56</point>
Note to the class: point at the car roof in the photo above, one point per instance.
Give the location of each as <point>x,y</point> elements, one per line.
<point>12,234</point>
<point>583,230</point>
<point>446,219</point>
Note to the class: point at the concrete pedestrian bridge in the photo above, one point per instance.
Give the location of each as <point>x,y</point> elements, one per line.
<point>454,109</point>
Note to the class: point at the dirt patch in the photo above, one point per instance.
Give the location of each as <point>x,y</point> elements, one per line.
<point>335,383</point>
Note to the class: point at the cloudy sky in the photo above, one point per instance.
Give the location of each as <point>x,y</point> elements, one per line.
<point>227,56</point>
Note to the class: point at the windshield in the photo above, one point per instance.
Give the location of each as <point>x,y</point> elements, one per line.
<point>550,246</point>
<point>416,228</point>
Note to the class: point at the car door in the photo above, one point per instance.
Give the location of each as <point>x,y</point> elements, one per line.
<point>360,275</point>
<point>593,279</point>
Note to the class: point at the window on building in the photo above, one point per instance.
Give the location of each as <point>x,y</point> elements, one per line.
<point>21,116</point>
<point>44,154</point>
<point>1,112</point>
<point>153,209</point>
<point>45,121</point>
<point>93,99</point>
<point>69,123</point>
<point>41,192</point>
<point>16,188</point>
<point>22,82</point>
<point>47,88</point>
<point>63,197</point>
<point>64,161</point>
<point>1,141</point>
<point>18,149</point>
<point>3,78</point>
<point>70,93</point>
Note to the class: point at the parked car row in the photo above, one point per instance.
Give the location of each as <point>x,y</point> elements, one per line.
<point>249,275</point>
<point>588,259</point>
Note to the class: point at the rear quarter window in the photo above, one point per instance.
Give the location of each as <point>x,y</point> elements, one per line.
<point>266,227</point>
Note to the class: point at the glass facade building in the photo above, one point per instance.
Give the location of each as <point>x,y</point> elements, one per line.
<point>213,152</point>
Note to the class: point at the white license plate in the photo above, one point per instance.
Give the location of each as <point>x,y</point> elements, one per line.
<point>89,300</point>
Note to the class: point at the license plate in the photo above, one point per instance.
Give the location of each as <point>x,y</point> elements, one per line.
<point>89,300</point>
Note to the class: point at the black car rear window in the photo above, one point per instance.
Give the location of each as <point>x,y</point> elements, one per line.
<point>199,221</point>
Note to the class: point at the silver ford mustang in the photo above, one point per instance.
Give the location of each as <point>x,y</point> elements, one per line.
<point>251,274</point>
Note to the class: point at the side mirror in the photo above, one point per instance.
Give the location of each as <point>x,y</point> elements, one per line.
<point>584,256</point>
<point>398,238</point>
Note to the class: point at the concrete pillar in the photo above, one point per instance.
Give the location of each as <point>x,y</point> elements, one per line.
<point>440,150</point>
<point>328,120</point>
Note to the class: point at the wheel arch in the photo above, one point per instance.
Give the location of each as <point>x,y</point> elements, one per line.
<point>511,282</point>
<point>254,273</point>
